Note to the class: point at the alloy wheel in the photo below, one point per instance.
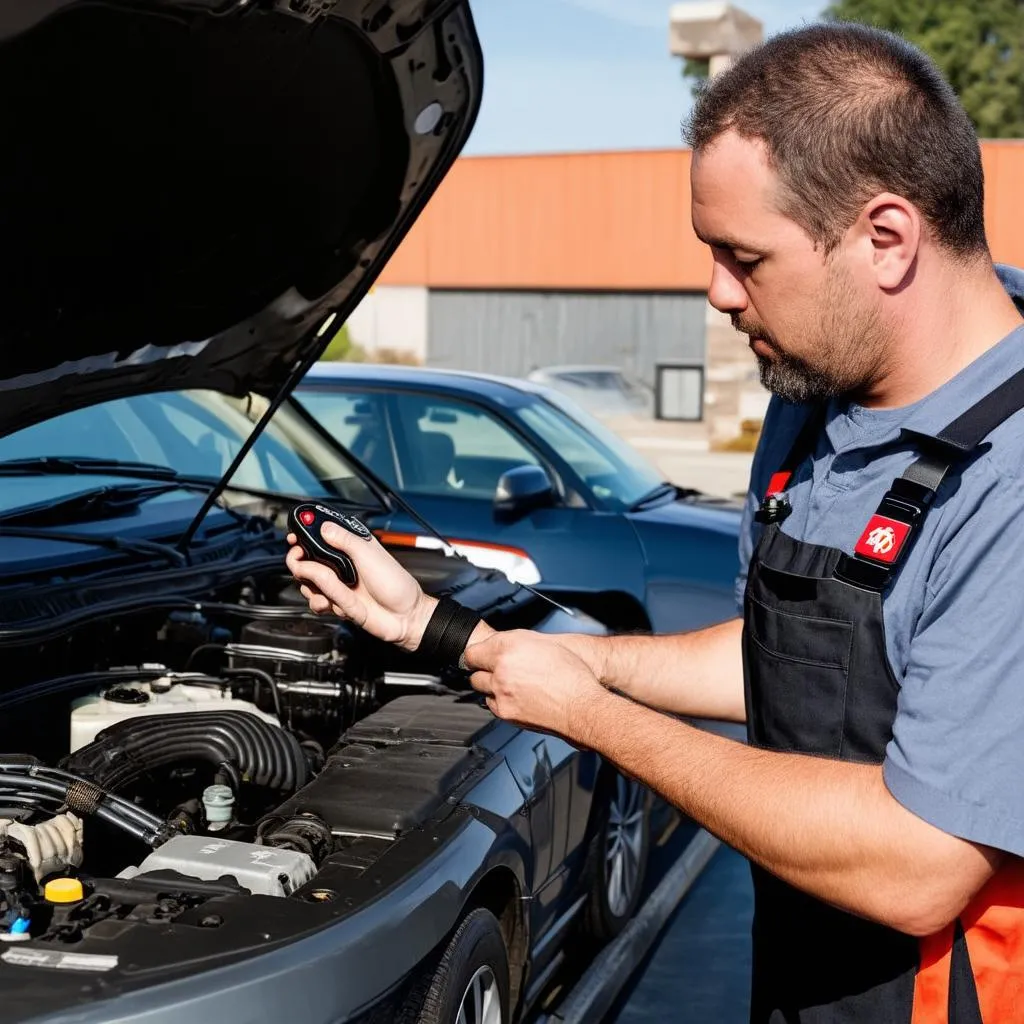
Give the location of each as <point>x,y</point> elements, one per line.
<point>481,1002</point>
<point>624,844</point>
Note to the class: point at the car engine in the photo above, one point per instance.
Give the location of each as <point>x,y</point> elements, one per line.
<point>166,781</point>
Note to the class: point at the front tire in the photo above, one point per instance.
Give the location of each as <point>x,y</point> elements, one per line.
<point>470,983</point>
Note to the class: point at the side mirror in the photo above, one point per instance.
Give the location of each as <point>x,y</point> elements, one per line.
<point>522,489</point>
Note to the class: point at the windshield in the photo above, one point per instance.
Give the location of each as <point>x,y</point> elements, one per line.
<point>195,433</point>
<point>618,474</point>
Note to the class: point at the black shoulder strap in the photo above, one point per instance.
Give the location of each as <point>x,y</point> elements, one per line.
<point>802,447</point>
<point>960,438</point>
<point>890,531</point>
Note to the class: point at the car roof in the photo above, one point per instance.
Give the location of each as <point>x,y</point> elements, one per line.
<point>493,386</point>
<point>580,368</point>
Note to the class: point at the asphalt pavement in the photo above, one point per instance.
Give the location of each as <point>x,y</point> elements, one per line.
<point>699,970</point>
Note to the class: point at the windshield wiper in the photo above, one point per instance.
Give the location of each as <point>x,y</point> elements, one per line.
<point>663,490</point>
<point>89,506</point>
<point>97,503</point>
<point>50,465</point>
<point>87,466</point>
<point>120,544</point>
<point>33,521</point>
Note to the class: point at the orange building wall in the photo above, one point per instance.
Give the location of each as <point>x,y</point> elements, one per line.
<point>609,221</point>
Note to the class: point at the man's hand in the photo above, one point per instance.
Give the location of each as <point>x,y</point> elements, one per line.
<point>533,680</point>
<point>387,601</point>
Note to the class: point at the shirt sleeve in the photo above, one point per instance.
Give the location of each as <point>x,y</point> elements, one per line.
<point>956,758</point>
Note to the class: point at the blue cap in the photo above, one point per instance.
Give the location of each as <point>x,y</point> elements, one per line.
<point>20,926</point>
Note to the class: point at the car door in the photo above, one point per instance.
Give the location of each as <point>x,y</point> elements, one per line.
<point>452,452</point>
<point>445,454</point>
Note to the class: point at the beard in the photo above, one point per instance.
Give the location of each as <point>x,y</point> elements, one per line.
<point>846,345</point>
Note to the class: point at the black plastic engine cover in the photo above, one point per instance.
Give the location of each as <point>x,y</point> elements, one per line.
<point>303,636</point>
<point>384,790</point>
<point>423,718</point>
<point>393,770</point>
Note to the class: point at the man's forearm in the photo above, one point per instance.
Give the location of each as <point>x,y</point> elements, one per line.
<point>828,827</point>
<point>698,674</point>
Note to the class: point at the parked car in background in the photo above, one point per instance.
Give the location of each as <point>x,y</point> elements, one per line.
<point>604,391</point>
<point>517,476</point>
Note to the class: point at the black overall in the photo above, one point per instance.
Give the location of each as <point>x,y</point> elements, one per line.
<point>818,681</point>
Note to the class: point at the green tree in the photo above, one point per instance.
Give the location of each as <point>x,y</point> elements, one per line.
<point>343,349</point>
<point>979,45</point>
<point>695,71</point>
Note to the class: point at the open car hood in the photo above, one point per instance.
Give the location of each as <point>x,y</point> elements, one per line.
<point>190,189</point>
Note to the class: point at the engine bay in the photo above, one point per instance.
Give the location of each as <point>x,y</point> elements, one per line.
<point>234,748</point>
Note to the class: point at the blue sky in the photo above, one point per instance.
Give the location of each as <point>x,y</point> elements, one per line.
<point>571,75</point>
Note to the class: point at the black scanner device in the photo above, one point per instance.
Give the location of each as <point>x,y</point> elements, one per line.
<point>305,522</point>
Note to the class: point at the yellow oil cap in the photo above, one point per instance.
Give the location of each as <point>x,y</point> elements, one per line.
<point>63,890</point>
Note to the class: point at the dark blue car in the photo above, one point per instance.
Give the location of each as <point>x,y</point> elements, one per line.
<point>516,476</point>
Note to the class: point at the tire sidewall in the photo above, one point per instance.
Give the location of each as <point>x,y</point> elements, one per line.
<point>477,942</point>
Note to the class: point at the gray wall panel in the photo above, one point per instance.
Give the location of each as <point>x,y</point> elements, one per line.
<point>511,333</point>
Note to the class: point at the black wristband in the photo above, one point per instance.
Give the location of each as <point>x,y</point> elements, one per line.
<point>448,632</point>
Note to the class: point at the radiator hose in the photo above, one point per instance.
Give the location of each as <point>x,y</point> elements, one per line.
<point>243,745</point>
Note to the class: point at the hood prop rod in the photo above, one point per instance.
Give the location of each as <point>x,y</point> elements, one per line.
<point>294,377</point>
<point>298,372</point>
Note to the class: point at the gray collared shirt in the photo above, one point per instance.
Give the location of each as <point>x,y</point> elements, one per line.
<point>954,618</point>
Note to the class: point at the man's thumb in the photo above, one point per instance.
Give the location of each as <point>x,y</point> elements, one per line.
<point>482,654</point>
<point>334,535</point>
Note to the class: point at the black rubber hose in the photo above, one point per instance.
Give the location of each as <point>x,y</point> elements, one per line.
<point>65,779</point>
<point>122,753</point>
<point>50,791</point>
<point>57,784</point>
<point>230,673</point>
<point>263,677</point>
<point>202,649</point>
<point>9,798</point>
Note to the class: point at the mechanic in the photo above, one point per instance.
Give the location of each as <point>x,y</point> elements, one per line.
<point>879,659</point>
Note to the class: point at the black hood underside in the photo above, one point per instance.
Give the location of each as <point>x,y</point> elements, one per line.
<point>188,190</point>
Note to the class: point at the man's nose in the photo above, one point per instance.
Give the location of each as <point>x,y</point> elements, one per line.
<point>726,293</point>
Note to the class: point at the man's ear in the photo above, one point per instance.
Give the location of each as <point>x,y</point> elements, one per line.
<point>891,228</point>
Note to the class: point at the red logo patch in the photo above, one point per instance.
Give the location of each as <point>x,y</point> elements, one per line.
<point>882,539</point>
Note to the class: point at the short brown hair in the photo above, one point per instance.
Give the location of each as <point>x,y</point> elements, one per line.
<point>846,112</point>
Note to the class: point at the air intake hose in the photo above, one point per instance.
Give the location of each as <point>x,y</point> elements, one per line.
<point>258,751</point>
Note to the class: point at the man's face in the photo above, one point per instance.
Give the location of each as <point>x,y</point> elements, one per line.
<point>812,320</point>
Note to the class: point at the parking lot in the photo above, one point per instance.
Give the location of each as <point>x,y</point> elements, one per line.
<point>700,968</point>
<point>681,452</point>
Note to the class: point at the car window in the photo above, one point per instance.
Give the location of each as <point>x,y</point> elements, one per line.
<point>596,379</point>
<point>454,449</point>
<point>197,433</point>
<point>358,420</point>
<point>617,474</point>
